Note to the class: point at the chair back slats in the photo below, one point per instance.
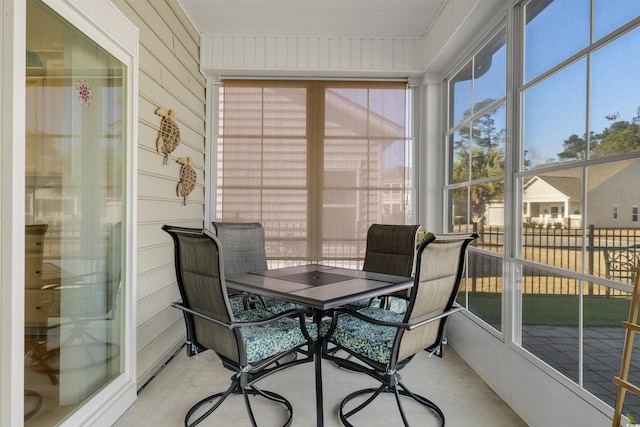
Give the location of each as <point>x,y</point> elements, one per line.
<point>390,249</point>
<point>200,276</point>
<point>243,246</point>
<point>439,271</point>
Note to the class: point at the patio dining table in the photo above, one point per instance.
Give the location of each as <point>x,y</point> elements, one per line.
<point>321,288</point>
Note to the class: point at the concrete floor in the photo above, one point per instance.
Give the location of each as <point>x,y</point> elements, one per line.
<point>449,382</point>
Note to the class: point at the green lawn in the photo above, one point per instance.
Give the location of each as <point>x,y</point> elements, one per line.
<point>555,310</point>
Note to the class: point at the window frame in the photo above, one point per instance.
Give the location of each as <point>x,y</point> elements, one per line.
<point>450,186</point>
<point>314,240</point>
<point>105,24</point>
<point>517,175</point>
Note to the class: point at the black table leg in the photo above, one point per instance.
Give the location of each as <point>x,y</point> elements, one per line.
<point>317,349</point>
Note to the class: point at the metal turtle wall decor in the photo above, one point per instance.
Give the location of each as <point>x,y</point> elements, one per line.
<point>169,137</point>
<point>187,178</point>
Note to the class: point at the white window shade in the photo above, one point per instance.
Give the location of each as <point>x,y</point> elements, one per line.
<point>316,163</point>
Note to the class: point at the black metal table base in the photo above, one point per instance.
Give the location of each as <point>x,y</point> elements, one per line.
<point>216,400</point>
<point>398,392</point>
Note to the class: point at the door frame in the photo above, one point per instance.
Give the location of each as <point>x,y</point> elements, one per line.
<point>106,25</point>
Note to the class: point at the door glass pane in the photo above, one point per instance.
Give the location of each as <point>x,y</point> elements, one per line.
<point>75,142</point>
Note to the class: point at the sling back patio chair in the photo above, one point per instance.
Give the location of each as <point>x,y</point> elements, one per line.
<point>384,342</point>
<point>391,249</point>
<point>244,252</point>
<point>251,344</point>
<point>243,248</point>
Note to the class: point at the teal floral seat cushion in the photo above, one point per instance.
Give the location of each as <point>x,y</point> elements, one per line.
<point>398,305</point>
<point>279,336</point>
<point>364,303</point>
<point>254,315</point>
<point>372,341</point>
<point>276,305</point>
<point>238,303</point>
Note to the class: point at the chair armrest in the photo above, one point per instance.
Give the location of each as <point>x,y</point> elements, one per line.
<point>434,318</point>
<point>220,322</point>
<point>232,325</point>
<point>400,325</point>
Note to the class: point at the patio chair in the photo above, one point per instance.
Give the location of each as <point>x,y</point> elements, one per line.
<point>619,262</point>
<point>384,342</point>
<point>243,252</point>
<point>391,249</point>
<point>243,248</point>
<point>251,348</point>
<point>81,300</point>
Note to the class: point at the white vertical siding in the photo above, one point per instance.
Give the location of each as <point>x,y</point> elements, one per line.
<point>296,55</point>
<point>169,77</point>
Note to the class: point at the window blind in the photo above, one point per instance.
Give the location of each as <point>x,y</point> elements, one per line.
<point>316,162</point>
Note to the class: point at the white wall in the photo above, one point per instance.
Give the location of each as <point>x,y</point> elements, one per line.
<point>169,77</point>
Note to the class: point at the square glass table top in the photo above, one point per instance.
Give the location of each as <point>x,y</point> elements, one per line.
<point>318,286</point>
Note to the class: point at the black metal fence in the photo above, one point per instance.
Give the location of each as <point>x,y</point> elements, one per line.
<point>604,251</point>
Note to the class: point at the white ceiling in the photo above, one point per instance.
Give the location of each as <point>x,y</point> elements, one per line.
<point>339,18</point>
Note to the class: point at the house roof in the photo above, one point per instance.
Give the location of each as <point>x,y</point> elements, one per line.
<point>569,181</point>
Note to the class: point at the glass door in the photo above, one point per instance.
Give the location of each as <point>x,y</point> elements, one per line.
<point>74,212</point>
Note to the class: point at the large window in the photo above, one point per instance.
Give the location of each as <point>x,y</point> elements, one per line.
<point>571,219</point>
<point>316,163</point>
<point>476,140</point>
<point>581,145</point>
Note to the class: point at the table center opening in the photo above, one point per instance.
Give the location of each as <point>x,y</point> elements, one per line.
<point>316,278</point>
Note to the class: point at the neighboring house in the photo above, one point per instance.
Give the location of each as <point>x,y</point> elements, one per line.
<point>552,198</point>
<point>615,202</point>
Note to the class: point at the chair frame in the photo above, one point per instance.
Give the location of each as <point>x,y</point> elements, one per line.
<point>387,375</point>
<point>619,262</point>
<point>246,375</point>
